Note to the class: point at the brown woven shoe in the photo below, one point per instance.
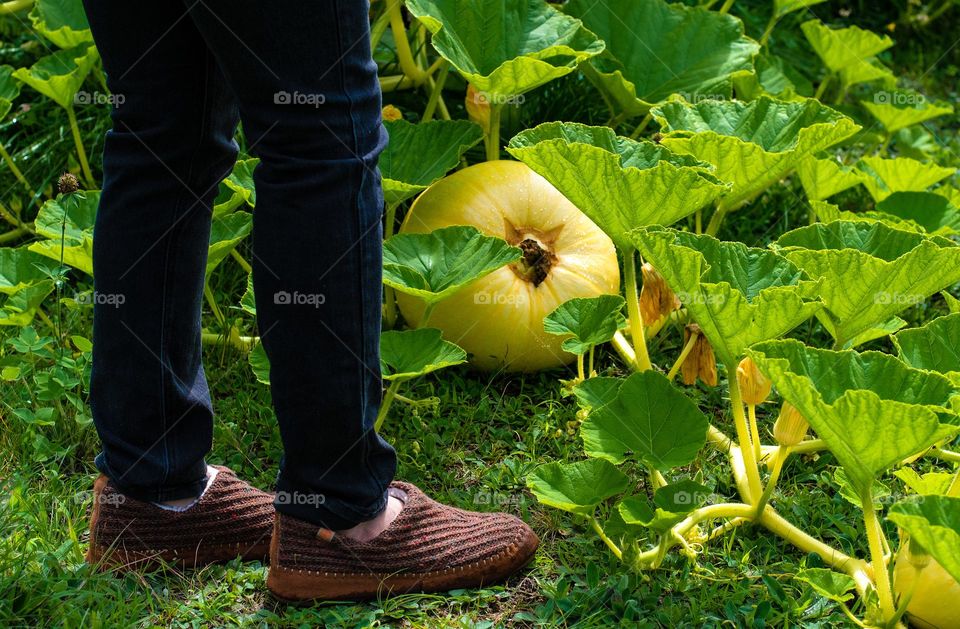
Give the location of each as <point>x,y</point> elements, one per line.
<point>429,547</point>
<point>231,519</point>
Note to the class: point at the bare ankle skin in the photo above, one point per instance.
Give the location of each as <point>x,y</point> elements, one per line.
<point>366,531</point>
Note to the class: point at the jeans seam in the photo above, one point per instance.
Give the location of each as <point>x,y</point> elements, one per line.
<point>191,166</point>
<point>355,196</point>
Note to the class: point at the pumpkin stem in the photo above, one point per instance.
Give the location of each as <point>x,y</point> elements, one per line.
<point>535,262</point>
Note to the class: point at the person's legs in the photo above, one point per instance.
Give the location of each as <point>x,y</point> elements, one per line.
<point>171,144</point>
<point>310,104</point>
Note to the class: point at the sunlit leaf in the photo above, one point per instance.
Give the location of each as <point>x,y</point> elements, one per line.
<point>577,487</point>
<point>412,353</point>
<point>589,321</point>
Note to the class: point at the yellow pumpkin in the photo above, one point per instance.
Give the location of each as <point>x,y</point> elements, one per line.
<point>498,319</point>
<point>935,603</point>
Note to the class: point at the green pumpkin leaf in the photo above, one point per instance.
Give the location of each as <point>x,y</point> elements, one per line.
<point>248,302</point>
<point>437,264</point>
<point>506,48</point>
<point>934,523</point>
<point>774,76</point>
<point>881,493</point>
<point>650,420</point>
<point>619,183</point>
<point>872,410</point>
<point>782,7</point>
<point>259,363</point>
<point>64,22</point>
<point>656,48</point>
<point>848,52</point>
<point>589,320</point>
<point>595,392</point>
<point>869,271</point>
<point>226,232</point>
<point>929,484</point>
<point>682,496</point>
<point>902,174</point>
<point>577,487</point>
<point>240,180</point>
<point>908,110</point>
<point>19,308</point>
<point>831,585</point>
<point>74,214</point>
<point>60,75</point>
<point>412,353</point>
<point>823,178</point>
<point>420,154</point>
<point>934,346</point>
<point>638,511</point>
<point>753,145</point>
<point>9,90</point>
<point>737,295</point>
<point>20,267</point>
<point>933,212</point>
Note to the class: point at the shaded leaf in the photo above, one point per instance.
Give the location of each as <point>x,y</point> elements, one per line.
<point>590,321</point>
<point>934,523</point>
<point>412,353</point>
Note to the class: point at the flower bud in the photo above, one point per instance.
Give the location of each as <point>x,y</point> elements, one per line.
<point>791,427</point>
<point>478,108</point>
<point>656,298</point>
<point>917,555</point>
<point>700,362</point>
<point>68,183</point>
<point>754,386</point>
<point>391,113</point>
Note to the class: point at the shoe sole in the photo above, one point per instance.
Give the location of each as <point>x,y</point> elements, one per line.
<point>122,560</point>
<point>301,587</point>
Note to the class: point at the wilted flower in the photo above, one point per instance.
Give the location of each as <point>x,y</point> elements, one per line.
<point>754,386</point>
<point>68,183</point>
<point>656,298</point>
<point>700,362</point>
<point>478,108</point>
<point>791,427</point>
<point>392,113</point>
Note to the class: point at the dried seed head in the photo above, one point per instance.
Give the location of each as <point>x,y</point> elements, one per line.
<point>791,427</point>
<point>700,362</point>
<point>754,386</point>
<point>68,183</point>
<point>478,107</point>
<point>391,113</point>
<point>656,299</point>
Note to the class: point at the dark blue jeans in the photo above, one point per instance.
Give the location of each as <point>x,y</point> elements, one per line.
<point>300,77</point>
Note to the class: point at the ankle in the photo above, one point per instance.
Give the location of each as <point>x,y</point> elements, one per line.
<point>182,504</point>
<point>366,531</point>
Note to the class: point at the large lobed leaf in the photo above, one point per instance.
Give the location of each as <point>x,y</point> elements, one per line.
<point>67,223</point>
<point>753,145</point>
<point>934,523</point>
<point>58,76</point>
<point>420,154</point>
<point>737,295</point>
<point>901,174</point>
<point>577,487</point>
<point>588,321</point>
<point>435,265</point>
<point>64,22</point>
<point>619,183</point>
<point>412,353</point>
<point>656,49</point>
<point>869,271</point>
<point>508,47</point>
<point>872,410</point>
<point>849,52</point>
<point>896,116</point>
<point>934,346</point>
<point>649,420</point>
